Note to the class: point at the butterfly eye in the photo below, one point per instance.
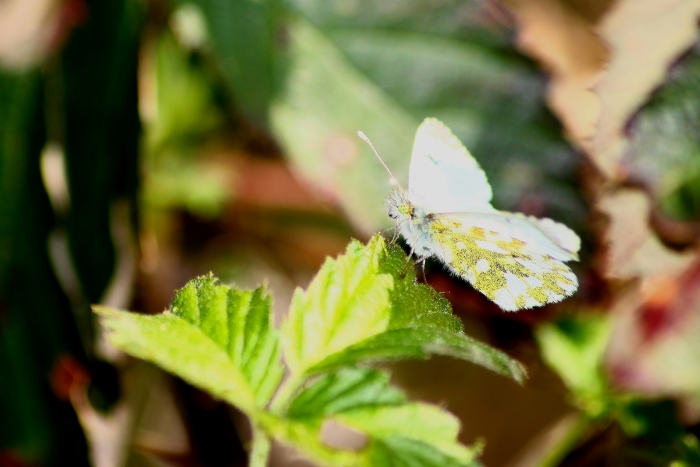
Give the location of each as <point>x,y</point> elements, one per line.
<point>406,209</point>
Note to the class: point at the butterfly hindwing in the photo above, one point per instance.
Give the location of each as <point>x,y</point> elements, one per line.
<point>549,237</point>
<point>512,273</point>
<point>443,176</point>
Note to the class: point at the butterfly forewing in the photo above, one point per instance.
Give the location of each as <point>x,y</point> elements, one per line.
<point>512,273</point>
<point>443,176</point>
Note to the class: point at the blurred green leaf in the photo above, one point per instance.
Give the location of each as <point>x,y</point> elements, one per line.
<point>22,399</point>
<point>382,69</point>
<point>573,347</point>
<point>397,432</point>
<point>178,182</point>
<point>214,336</point>
<point>187,110</point>
<point>690,452</point>
<point>36,323</point>
<point>187,113</point>
<point>244,39</point>
<point>367,306</point>
<point>665,147</point>
<point>652,419</point>
<point>93,112</point>
<point>659,438</point>
<point>325,102</point>
<point>19,98</point>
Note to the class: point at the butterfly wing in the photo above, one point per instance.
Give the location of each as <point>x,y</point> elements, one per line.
<point>444,176</point>
<point>516,261</point>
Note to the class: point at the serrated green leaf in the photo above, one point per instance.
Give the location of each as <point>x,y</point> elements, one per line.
<point>417,421</point>
<point>400,451</point>
<point>180,348</point>
<point>366,306</point>
<point>347,301</point>
<point>337,392</point>
<point>240,322</point>
<point>399,344</point>
<point>398,432</point>
<point>215,336</point>
<point>363,401</point>
<point>414,305</point>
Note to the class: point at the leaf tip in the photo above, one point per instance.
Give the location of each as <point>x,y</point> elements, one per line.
<point>105,311</point>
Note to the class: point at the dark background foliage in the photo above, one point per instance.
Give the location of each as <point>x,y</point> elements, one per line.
<point>143,142</point>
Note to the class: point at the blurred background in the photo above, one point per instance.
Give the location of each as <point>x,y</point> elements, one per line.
<point>144,142</point>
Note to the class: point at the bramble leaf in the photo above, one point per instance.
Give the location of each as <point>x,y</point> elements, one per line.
<point>395,431</point>
<point>366,306</point>
<point>346,302</point>
<point>214,336</point>
<point>421,343</point>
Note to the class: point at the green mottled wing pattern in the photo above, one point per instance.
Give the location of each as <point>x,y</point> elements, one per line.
<point>512,273</point>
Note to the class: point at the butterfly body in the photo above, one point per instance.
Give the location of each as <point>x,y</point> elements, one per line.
<point>515,260</point>
<point>413,222</point>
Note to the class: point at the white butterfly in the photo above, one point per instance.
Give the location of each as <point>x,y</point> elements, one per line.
<point>517,261</point>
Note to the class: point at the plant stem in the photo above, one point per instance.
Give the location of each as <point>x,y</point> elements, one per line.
<point>260,452</point>
<point>566,441</point>
<point>286,392</point>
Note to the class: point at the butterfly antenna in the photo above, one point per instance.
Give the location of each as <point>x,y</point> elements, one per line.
<point>393,181</point>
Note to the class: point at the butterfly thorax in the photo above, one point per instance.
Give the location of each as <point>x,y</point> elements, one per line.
<point>412,221</point>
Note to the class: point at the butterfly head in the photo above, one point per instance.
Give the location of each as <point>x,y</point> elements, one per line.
<point>399,207</point>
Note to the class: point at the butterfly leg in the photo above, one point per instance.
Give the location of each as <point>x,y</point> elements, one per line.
<point>413,265</point>
<point>394,237</point>
<point>408,262</point>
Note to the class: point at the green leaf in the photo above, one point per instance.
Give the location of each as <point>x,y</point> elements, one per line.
<point>346,302</point>
<point>382,68</point>
<point>195,114</point>
<point>243,38</point>
<point>97,118</point>
<point>214,336</point>
<point>664,142</point>
<point>397,432</point>
<point>573,347</point>
<point>366,306</point>
<point>325,102</point>
<point>657,420</point>
<point>400,344</point>
<point>337,392</point>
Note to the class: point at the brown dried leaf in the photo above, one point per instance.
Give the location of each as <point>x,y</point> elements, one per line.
<point>567,47</point>
<point>633,249</point>
<point>653,346</point>
<point>646,36</point>
<point>29,31</point>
